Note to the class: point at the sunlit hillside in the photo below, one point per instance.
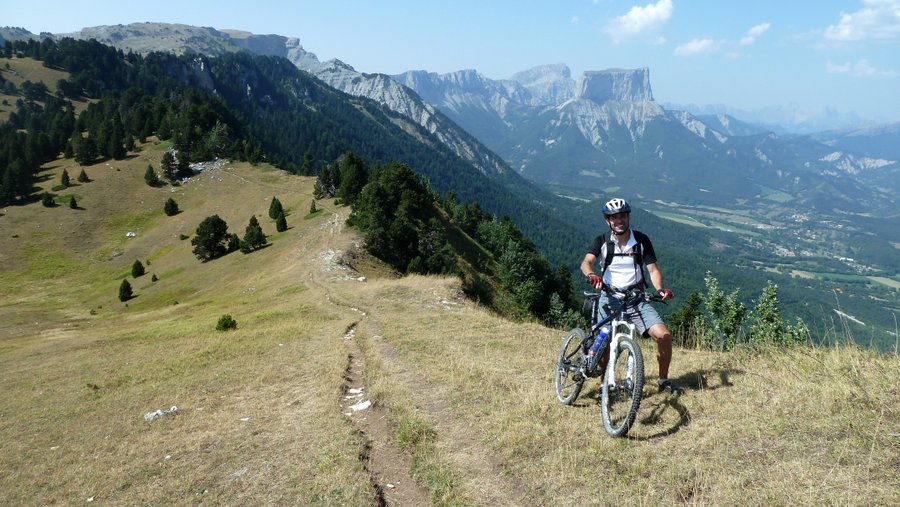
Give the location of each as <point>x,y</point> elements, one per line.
<point>461,406</point>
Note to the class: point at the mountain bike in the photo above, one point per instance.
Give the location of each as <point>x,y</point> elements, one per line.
<point>623,370</point>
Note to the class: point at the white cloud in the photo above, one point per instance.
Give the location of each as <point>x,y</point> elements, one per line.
<point>838,68</point>
<point>639,20</point>
<point>754,33</point>
<point>696,47</point>
<point>879,20</point>
<point>862,68</point>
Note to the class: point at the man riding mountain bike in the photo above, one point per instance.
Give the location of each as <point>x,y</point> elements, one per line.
<point>625,253</point>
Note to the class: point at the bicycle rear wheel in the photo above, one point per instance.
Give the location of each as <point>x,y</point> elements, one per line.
<point>568,374</point>
<point>622,389</point>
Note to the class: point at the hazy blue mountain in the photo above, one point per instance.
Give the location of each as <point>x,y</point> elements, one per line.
<point>782,119</point>
<point>882,141</point>
<point>606,131</point>
<point>731,126</point>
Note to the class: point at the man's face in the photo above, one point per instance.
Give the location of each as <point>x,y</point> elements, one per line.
<point>619,222</point>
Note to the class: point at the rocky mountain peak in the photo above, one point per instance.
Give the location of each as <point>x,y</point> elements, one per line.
<point>621,85</point>
<point>548,84</point>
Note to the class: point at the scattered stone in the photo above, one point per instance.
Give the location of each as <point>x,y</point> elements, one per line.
<point>245,419</point>
<point>156,414</point>
<point>361,405</point>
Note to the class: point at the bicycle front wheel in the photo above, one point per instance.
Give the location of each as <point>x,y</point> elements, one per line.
<point>568,374</point>
<point>623,387</point>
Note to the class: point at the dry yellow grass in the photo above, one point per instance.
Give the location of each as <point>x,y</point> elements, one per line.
<point>468,395</point>
<point>794,427</point>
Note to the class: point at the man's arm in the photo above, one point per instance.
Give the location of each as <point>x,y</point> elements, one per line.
<point>587,265</point>
<point>657,278</point>
<point>587,269</point>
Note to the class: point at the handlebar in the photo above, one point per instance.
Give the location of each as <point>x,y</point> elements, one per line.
<point>628,295</point>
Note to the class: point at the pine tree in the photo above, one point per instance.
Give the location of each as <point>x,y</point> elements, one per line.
<point>354,174</point>
<point>234,242</point>
<point>212,239</point>
<point>168,166</point>
<point>312,207</point>
<point>83,177</point>
<point>150,176</point>
<point>47,200</point>
<point>85,149</point>
<point>275,208</point>
<point>137,269</point>
<point>184,166</point>
<point>253,236</point>
<point>64,179</point>
<point>281,223</point>
<point>73,203</point>
<point>125,291</point>
<point>171,207</point>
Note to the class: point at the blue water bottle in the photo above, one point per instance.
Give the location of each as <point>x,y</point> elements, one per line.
<point>599,343</point>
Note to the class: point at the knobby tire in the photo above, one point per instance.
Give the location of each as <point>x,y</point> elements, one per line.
<point>618,403</point>
<point>568,364</point>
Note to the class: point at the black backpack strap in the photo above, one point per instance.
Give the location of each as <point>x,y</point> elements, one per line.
<point>638,252</point>
<point>610,252</point>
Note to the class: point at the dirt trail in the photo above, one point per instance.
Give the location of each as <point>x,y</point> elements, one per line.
<point>388,466</point>
<point>488,482</point>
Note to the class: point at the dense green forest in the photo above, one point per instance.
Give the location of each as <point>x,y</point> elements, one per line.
<point>258,108</point>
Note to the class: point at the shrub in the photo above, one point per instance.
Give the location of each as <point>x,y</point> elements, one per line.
<point>225,323</point>
<point>171,207</point>
<point>150,176</point>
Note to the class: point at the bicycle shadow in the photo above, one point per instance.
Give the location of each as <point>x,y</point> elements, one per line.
<point>691,382</point>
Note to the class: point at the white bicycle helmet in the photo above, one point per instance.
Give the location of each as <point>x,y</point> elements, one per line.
<point>615,206</point>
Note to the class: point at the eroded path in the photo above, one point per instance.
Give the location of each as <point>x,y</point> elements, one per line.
<point>388,466</point>
<point>481,476</point>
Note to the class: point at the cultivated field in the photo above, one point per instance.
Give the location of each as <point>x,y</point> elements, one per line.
<point>462,407</point>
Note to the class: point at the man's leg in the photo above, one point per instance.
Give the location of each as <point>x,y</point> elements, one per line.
<point>660,334</point>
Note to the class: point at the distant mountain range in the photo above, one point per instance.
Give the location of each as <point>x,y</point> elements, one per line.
<point>601,133</point>
<point>605,132</point>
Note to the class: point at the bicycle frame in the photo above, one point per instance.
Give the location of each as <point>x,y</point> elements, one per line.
<point>619,329</point>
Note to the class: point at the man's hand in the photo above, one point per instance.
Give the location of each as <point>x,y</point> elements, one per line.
<point>666,294</point>
<point>595,281</point>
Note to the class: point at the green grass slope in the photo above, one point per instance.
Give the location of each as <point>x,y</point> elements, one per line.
<point>467,395</point>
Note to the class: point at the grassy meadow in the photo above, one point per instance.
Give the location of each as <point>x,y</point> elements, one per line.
<point>467,395</point>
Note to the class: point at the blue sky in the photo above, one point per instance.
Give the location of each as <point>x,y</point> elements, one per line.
<point>844,55</point>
